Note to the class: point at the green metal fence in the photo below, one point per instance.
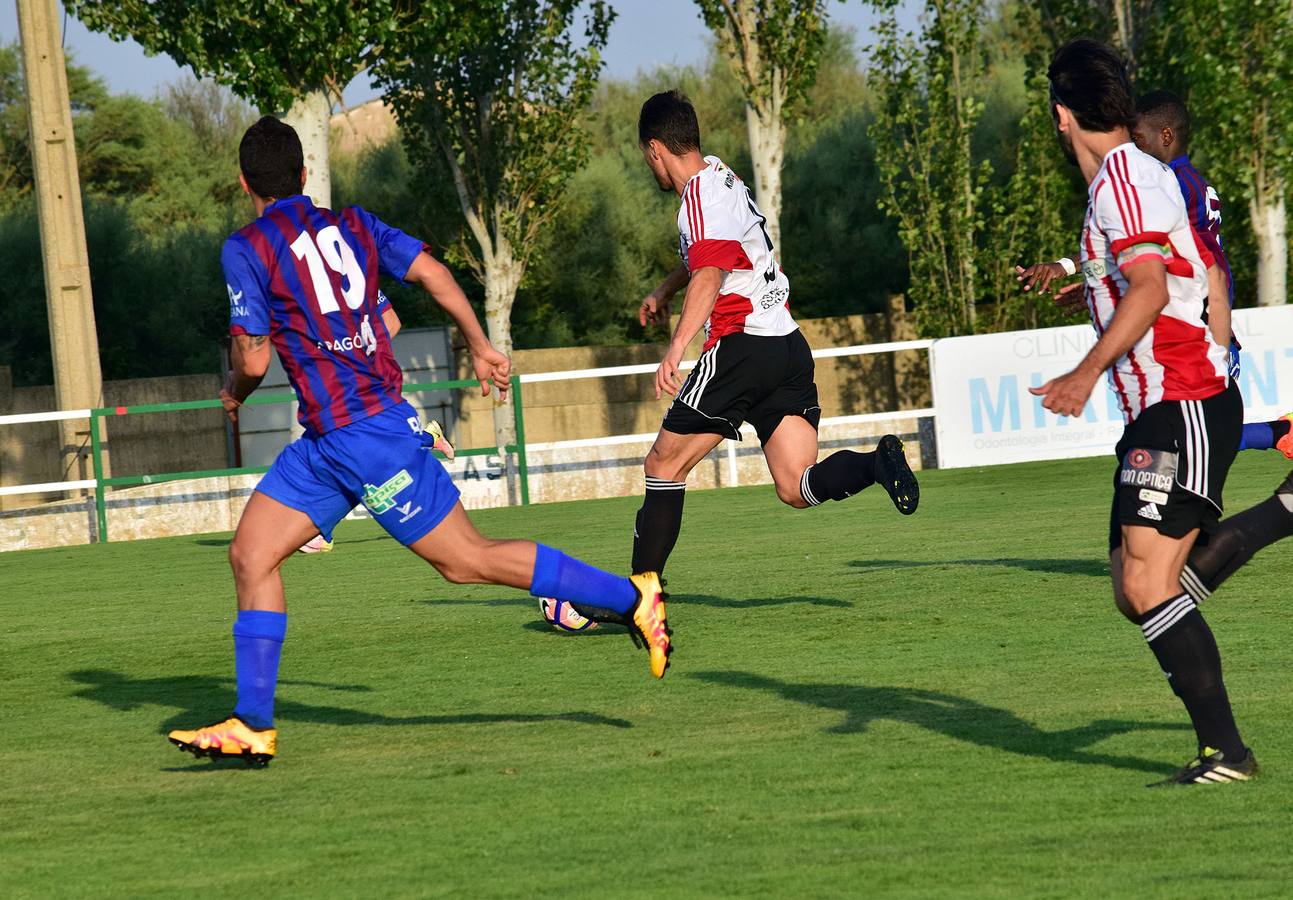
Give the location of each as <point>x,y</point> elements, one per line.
<point>96,444</point>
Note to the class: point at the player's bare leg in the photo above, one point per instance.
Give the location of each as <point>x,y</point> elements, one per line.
<point>269,532</point>
<point>465,556</point>
<point>1150,568</point>
<point>801,481</point>
<point>790,452</point>
<point>673,456</point>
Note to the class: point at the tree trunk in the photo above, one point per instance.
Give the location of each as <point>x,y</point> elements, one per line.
<point>1125,18</point>
<point>310,115</point>
<point>1270,228</point>
<point>767,134</point>
<point>502,277</point>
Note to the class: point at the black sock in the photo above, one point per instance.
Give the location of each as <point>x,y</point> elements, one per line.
<point>1187,653</point>
<point>658,522</point>
<point>842,474</point>
<point>1234,543</point>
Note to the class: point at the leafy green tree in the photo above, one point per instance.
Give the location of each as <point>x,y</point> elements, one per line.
<point>289,56</point>
<point>1237,60</point>
<point>774,48</point>
<point>928,102</point>
<point>496,107</point>
<point>1036,211</point>
<point>86,92</point>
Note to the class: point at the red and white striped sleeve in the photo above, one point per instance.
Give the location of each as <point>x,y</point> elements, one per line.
<point>1138,220</point>
<point>716,229</point>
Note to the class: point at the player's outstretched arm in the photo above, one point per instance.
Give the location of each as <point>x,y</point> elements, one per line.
<point>249,360</point>
<point>655,308</point>
<point>702,294</point>
<point>1146,297</point>
<point>492,368</point>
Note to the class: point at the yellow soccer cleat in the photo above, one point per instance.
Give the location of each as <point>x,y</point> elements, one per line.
<point>650,627</point>
<point>439,441</point>
<point>230,739</point>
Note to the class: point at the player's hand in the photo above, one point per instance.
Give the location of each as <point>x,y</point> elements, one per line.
<point>653,311</point>
<point>1039,276</point>
<point>230,404</point>
<point>1071,298</point>
<point>492,371</point>
<point>1067,395</point>
<point>667,377</point>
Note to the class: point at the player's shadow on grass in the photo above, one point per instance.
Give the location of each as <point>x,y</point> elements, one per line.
<point>679,599</point>
<point>755,602</point>
<point>956,717</point>
<point>203,698</point>
<point>1097,568</point>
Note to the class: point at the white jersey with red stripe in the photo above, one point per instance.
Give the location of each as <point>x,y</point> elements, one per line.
<point>719,225</point>
<point>1135,212</point>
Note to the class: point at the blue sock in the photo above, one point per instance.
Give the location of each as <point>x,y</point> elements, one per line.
<point>1258,436</point>
<point>566,578</point>
<point>257,643</point>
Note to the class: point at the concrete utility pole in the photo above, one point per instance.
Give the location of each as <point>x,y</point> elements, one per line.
<point>78,382</point>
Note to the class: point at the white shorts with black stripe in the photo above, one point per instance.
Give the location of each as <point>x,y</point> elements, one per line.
<point>1172,465</point>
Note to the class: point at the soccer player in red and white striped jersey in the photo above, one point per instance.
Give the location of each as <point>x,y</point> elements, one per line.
<point>756,366</point>
<point>1146,290</point>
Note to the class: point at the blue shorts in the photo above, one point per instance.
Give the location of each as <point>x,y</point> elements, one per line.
<point>383,461</point>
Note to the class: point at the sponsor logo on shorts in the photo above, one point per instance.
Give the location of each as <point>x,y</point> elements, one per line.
<point>407,511</point>
<point>381,498</point>
<point>1153,469</point>
<point>1150,511</point>
<point>1153,496</point>
<point>1156,480</point>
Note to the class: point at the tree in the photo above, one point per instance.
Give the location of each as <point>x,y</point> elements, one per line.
<point>85,91</point>
<point>496,106</point>
<point>927,105</point>
<point>774,47</point>
<point>288,56</point>
<point>1237,58</point>
<point>1036,211</point>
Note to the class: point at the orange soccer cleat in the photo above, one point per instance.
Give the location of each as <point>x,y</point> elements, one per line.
<point>650,627</point>
<point>230,739</point>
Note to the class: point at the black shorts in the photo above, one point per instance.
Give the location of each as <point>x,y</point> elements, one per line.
<point>1173,462</point>
<point>746,377</point>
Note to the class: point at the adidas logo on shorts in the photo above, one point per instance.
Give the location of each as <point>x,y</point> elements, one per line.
<point>1150,511</point>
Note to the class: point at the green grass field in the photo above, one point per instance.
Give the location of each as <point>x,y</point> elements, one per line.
<point>859,704</point>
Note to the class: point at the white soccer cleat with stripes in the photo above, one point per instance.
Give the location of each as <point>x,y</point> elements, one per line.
<point>1212,767</point>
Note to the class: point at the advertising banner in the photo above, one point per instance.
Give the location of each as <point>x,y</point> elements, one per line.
<point>987,417</point>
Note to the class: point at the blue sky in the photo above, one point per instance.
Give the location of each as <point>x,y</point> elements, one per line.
<point>646,33</point>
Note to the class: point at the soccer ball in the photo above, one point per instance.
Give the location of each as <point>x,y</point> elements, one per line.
<point>562,616</point>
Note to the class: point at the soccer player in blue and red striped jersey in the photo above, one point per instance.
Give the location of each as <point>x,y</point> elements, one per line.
<point>304,280</point>
<point>1163,131</point>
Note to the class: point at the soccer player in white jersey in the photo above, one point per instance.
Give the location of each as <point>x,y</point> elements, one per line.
<point>1146,289</point>
<point>756,365</point>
